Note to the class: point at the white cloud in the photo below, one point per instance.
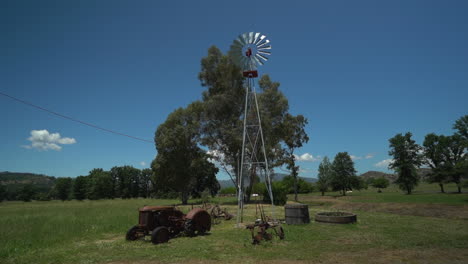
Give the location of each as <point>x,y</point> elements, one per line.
<point>306,157</point>
<point>368,156</point>
<point>384,163</point>
<point>142,163</point>
<point>306,170</point>
<point>43,140</point>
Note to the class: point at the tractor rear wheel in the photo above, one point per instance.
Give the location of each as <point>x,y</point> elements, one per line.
<point>132,234</point>
<point>160,235</point>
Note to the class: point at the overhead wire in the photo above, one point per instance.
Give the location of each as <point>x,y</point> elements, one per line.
<point>74,119</point>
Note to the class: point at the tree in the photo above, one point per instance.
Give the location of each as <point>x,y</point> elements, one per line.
<point>434,149</point>
<point>294,137</point>
<point>380,183</point>
<point>124,182</point>
<point>462,126</point>
<point>406,159</point>
<point>280,194</point>
<point>223,107</point>
<point>301,185</point>
<point>461,166</point>
<point>204,173</point>
<point>358,183</point>
<point>325,173</point>
<point>343,172</point>
<point>3,193</point>
<point>27,193</point>
<point>454,158</point>
<point>223,114</point>
<point>63,187</point>
<point>100,184</point>
<point>145,183</point>
<point>180,164</point>
<point>80,188</point>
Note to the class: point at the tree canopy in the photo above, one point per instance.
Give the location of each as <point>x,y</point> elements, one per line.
<point>223,113</point>
<point>406,159</point>
<point>380,183</point>
<point>344,174</point>
<point>181,165</point>
<point>325,174</point>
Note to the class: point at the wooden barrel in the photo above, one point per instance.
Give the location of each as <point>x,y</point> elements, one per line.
<point>296,214</point>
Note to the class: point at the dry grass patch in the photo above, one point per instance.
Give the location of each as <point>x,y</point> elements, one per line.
<point>426,210</point>
<point>416,256</point>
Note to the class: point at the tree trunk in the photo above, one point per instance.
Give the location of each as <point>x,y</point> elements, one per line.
<point>295,188</point>
<point>184,198</point>
<point>459,188</point>
<point>344,192</point>
<point>323,193</point>
<point>408,190</point>
<point>441,187</point>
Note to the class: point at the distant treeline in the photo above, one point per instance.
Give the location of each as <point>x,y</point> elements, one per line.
<point>119,182</point>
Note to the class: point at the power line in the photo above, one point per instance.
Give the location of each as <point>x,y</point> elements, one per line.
<point>73,119</point>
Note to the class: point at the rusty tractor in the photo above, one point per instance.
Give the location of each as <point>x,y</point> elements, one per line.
<point>165,222</point>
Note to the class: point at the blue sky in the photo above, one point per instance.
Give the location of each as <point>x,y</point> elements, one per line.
<point>360,71</point>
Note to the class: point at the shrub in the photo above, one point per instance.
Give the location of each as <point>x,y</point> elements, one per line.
<point>280,194</point>
<point>464,184</point>
<point>380,183</point>
<point>206,196</point>
<point>228,190</point>
<point>302,185</point>
<point>43,197</point>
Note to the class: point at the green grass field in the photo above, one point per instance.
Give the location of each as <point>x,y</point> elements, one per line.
<point>94,231</point>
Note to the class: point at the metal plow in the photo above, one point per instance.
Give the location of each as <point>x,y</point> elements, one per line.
<point>265,228</point>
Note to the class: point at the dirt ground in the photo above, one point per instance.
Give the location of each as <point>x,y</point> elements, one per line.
<point>374,256</point>
<point>415,209</point>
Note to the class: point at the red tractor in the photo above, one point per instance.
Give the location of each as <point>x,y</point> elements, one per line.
<point>165,222</point>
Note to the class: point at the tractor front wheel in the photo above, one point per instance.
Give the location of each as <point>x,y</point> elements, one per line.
<point>132,234</point>
<point>160,235</point>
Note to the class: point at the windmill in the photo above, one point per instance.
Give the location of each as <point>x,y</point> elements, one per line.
<point>249,51</point>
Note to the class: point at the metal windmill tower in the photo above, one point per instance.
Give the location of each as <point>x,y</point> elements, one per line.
<point>248,51</point>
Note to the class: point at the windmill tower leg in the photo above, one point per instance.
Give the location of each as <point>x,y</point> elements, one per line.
<point>253,154</point>
<point>248,51</point>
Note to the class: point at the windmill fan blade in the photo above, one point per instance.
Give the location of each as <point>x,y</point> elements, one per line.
<point>256,38</point>
<point>261,56</point>
<point>241,40</point>
<point>260,39</point>
<point>264,52</point>
<point>265,48</point>
<point>236,47</point>
<point>251,37</point>
<point>263,44</point>
<point>245,37</point>
<point>257,60</point>
<point>237,44</point>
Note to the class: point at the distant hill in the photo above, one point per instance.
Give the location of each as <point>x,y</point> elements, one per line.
<point>14,181</point>
<point>422,172</point>
<point>378,174</point>
<point>280,176</point>
<point>275,176</point>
